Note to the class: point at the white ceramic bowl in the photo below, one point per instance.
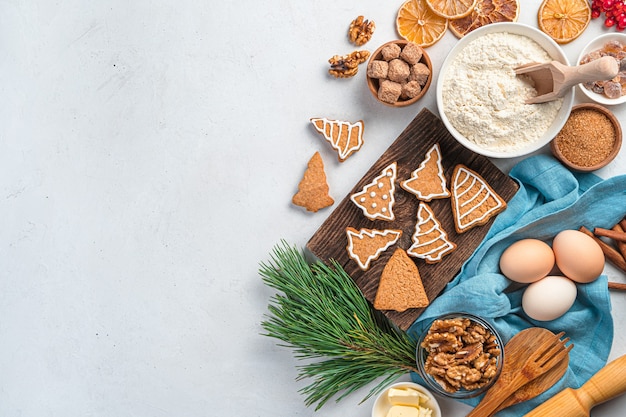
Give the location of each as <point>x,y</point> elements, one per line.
<point>382,405</point>
<point>551,47</point>
<point>594,45</point>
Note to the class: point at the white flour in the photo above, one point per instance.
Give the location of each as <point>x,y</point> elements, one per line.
<point>484,99</point>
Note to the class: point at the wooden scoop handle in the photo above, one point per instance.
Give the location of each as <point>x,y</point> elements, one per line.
<point>601,69</point>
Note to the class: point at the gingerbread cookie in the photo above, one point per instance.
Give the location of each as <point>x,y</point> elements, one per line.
<point>401,285</point>
<point>345,137</point>
<point>376,199</point>
<point>430,241</point>
<point>313,189</point>
<point>474,202</point>
<point>366,245</point>
<point>428,180</point>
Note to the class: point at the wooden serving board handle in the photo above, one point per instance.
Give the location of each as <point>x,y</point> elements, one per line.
<point>607,383</point>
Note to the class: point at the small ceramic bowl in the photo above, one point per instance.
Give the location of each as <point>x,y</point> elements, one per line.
<point>553,50</point>
<point>462,393</point>
<point>382,405</point>
<point>595,45</point>
<point>374,83</point>
<point>561,155</point>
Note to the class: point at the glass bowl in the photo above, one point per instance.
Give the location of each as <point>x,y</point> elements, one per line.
<point>468,347</point>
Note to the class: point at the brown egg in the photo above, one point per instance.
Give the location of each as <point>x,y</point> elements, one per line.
<point>527,260</point>
<point>578,256</point>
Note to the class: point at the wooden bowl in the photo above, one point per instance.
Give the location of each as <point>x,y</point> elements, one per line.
<point>557,151</point>
<point>373,83</point>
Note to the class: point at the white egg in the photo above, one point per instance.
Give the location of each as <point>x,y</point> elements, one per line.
<point>549,298</point>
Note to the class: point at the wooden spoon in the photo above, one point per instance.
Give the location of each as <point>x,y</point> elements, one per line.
<point>553,79</point>
<point>521,343</point>
<point>529,360</point>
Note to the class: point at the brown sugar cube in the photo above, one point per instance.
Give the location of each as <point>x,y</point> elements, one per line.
<point>411,53</point>
<point>391,51</point>
<point>377,69</point>
<point>399,70</point>
<point>389,91</point>
<point>420,73</point>
<point>410,89</point>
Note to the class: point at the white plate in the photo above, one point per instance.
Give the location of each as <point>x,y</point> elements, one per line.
<point>594,45</point>
<point>382,405</point>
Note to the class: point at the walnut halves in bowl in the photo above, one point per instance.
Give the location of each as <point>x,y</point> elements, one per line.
<point>399,73</point>
<point>460,355</point>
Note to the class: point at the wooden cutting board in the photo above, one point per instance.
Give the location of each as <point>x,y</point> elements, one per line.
<point>409,150</point>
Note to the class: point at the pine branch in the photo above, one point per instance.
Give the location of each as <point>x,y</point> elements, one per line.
<point>320,313</point>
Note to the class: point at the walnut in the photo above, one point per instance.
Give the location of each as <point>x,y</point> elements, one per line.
<point>462,354</point>
<point>475,333</point>
<point>361,31</point>
<point>464,374</point>
<point>442,342</point>
<point>454,326</point>
<point>347,66</point>
<point>443,382</point>
<point>468,353</point>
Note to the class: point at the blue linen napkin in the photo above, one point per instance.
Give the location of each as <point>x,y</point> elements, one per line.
<point>550,199</point>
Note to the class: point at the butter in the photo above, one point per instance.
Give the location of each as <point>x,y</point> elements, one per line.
<point>406,396</point>
<point>403,411</point>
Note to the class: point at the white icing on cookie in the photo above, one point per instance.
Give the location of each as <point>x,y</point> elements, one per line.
<point>474,202</point>
<point>344,137</point>
<point>428,181</point>
<point>365,245</point>
<point>430,241</point>
<point>378,205</point>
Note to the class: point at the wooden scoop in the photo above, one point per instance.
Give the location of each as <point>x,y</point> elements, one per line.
<point>530,358</point>
<point>553,79</point>
<point>607,383</point>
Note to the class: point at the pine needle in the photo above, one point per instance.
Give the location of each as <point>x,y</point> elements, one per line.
<point>321,314</point>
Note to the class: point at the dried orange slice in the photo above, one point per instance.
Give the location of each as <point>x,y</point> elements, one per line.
<point>564,20</point>
<point>484,13</point>
<point>417,23</point>
<point>451,9</point>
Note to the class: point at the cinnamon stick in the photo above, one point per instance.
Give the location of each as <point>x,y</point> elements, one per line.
<point>617,286</point>
<point>611,254</point>
<point>610,233</point>
<point>621,246</point>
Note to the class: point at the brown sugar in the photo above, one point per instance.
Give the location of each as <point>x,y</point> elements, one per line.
<point>587,138</point>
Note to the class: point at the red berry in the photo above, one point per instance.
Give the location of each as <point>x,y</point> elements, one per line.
<point>609,22</point>
<point>595,13</point>
<point>607,4</point>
